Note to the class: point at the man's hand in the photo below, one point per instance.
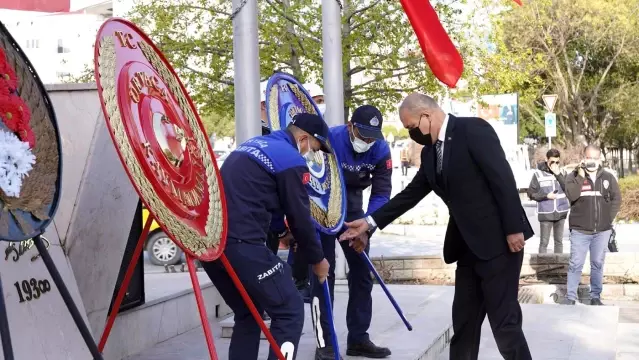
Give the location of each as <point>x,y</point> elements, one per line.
<point>286,239</point>
<point>359,243</point>
<point>516,242</point>
<point>355,229</point>
<point>551,196</point>
<point>321,270</point>
<point>555,169</point>
<point>580,170</point>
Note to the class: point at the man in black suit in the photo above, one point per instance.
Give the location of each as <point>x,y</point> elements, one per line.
<point>464,163</point>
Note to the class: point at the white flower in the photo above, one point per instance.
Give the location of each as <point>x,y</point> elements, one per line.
<point>16,160</point>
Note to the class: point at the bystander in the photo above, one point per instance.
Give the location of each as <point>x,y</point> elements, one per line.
<point>595,199</point>
<point>547,189</point>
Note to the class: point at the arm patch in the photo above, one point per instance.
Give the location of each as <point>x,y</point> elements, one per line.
<point>306,178</point>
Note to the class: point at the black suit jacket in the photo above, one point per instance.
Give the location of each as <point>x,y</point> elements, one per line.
<point>478,187</point>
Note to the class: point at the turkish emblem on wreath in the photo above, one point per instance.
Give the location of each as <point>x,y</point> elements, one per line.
<point>160,139</point>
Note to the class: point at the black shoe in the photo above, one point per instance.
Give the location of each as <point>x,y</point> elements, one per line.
<point>596,302</point>
<point>367,349</point>
<point>567,302</point>
<point>326,353</point>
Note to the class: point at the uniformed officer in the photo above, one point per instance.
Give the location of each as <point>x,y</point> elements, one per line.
<point>366,160</point>
<point>263,176</point>
<point>278,231</point>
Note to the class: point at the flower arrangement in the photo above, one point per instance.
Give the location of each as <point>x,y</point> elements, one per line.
<point>16,157</point>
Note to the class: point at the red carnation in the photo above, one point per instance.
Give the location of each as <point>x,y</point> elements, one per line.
<point>26,113</point>
<point>26,134</point>
<point>4,89</point>
<point>12,112</point>
<point>3,58</point>
<point>8,75</point>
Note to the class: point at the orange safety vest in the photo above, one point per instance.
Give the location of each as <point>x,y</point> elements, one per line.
<point>404,155</point>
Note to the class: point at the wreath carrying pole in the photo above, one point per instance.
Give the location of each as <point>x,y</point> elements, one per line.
<point>68,300</point>
<point>5,334</point>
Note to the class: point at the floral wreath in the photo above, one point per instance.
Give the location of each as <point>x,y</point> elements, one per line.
<point>17,138</point>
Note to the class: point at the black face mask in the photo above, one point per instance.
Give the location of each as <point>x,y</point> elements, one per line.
<point>418,136</point>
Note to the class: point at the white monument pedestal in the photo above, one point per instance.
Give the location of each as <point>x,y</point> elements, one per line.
<point>40,324</point>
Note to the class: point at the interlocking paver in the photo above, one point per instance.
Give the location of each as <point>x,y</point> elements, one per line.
<point>426,307</point>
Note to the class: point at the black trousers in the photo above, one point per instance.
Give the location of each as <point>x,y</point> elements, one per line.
<point>300,267</point>
<point>404,167</point>
<point>488,288</point>
<point>273,242</point>
<point>268,282</point>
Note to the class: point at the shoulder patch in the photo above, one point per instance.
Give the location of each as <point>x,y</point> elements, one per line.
<point>306,178</point>
<point>389,164</point>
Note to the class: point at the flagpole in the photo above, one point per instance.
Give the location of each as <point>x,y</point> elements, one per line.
<point>246,61</point>
<point>333,68</point>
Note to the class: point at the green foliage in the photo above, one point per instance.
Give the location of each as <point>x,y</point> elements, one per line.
<point>629,186</point>
<point>629,183</point>
<point>585,51</point>
<point>378,46</point>
<point>219,125</point>
<point>389,129</point>
<point>402,134</point>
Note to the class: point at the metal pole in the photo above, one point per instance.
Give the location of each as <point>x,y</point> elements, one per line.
<point>246,70</point>
<point>549,142</point>
<point>68,300</point>
<point>333,69</point>
<point>5,333</point>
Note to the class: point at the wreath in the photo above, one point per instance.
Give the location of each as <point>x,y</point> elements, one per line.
<point>17,138</point>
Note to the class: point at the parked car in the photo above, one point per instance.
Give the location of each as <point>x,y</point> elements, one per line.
<point>161,249</point>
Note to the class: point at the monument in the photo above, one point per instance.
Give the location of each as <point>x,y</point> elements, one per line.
<point>35,291</point>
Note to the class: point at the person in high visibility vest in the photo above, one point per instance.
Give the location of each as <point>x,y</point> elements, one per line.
<point>405,160</point>
<point>547,189</point>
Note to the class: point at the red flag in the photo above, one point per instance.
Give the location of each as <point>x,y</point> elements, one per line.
<point>441,54</point>
<point>37,5</point>
<point>518,2</point>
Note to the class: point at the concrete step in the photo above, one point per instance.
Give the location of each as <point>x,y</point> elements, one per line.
<point>170,310</point>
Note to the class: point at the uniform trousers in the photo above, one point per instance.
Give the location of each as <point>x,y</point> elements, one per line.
<point>359,310</point>
<point>269,283</point>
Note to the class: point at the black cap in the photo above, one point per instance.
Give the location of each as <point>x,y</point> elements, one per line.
<point>315,126</point>
<point>368,120</point>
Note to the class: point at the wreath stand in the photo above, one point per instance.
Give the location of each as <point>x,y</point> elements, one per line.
<point>198,298</point>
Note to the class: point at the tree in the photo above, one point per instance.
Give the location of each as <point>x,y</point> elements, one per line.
<point>218,125</point>
<point>378,45</point>
<point>584,51</point>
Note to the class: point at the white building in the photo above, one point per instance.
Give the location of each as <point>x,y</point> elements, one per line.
<point>59,45</point>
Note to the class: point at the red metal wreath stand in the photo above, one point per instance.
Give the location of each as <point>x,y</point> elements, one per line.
<point>198,298</point>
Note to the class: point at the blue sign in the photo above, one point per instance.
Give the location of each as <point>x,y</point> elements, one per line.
<point>551,124</point>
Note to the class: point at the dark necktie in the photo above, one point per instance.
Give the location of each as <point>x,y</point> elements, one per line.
<point>440,155</point>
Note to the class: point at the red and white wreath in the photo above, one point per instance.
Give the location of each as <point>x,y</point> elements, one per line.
<point>17,138</point>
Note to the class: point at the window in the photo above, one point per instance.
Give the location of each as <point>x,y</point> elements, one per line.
<point>61,48</point>
<point>62,74</point>
<point>33,44</point>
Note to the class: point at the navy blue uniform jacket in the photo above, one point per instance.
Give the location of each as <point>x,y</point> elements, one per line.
<point>266,175</point>
<point>373,167</point>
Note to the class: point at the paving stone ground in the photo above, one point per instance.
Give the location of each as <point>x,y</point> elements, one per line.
<point>556,332</point>
<point>426,307</point>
